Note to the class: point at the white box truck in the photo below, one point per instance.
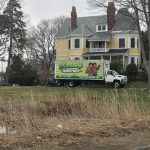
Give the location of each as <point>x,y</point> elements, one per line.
<point>76,72</point>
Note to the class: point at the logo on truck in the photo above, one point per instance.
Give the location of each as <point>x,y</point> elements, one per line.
<point>71,68</point>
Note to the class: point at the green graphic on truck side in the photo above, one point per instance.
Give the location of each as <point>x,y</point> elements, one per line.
<point>79,69</point>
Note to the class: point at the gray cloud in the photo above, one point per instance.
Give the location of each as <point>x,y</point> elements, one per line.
<point>45,9</point>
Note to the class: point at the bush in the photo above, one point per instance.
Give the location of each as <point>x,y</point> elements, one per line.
<point>132,72</point>
<point>29,76</point>
<point>142,75</point>
<point>117,67</point>
<point>21,73</point>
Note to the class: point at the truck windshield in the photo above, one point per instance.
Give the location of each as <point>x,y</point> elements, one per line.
<point>115,73</point>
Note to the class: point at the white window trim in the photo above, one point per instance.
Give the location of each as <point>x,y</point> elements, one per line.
<point>101,27</point>
<point>129,45</point>
<point>73,43</point>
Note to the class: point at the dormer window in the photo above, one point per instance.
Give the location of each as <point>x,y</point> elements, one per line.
<point>101,28</point>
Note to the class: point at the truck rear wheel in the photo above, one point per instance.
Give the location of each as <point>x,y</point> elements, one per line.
<point>116,84</point>
<point>71,83</point>
<point>59,83</point>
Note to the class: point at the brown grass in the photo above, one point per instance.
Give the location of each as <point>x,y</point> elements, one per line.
<point>30,118</point>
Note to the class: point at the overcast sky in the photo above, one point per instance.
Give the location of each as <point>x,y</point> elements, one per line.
<point>37,10</point>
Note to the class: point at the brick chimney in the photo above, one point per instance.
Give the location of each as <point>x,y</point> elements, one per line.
<point>73,18</point>
<point>110,15</point>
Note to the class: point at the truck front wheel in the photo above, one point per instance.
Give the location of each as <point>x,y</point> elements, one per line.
<point>71,83</point>
<point>116,84</point>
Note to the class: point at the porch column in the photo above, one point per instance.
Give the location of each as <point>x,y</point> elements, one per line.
<point>105,46</point>
<point>90,46</point>
<point>101,57</point>
<point>88,57</point>
<point>123,61</point>
<point>110,58</point>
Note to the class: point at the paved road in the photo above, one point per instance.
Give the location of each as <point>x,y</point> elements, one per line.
<point>137,141</point>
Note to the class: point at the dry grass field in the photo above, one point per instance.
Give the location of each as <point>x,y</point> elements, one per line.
<point>62,117</point>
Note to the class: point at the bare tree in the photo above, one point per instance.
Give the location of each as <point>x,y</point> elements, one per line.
<point>41,44</point>
<point>3,25</point>
<point>3,44</point>
<point>2,4</point>
<point>141,17</point>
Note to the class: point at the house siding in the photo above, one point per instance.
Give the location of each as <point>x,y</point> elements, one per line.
<point>62,51</point>
<point>134,52</point>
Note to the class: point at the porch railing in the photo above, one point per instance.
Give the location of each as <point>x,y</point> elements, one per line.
<point>92,50</point>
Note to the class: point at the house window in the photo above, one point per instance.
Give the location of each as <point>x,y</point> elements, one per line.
<point>95,57</point>
<point>101,28</point>
<point>100,44</point>
<point>122,43</point>
<point>69,44</point>
<point>87,44</point>
<point>132,42</point>
<point>77,43</point>
<point>137,43</point>
<point>76,58</point>
<point>132,60</point>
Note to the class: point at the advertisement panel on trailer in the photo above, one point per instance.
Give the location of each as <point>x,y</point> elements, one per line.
<point>79,69</point>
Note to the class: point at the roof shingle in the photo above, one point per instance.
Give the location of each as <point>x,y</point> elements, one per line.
<point>87,25</point>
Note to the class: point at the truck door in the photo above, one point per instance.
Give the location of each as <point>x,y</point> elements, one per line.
<point>109,77</point>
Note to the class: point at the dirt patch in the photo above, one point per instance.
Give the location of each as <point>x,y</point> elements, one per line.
<point>75,134</point>
<point>71,142</point>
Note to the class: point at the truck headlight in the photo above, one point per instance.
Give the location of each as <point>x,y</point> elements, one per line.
<point>124,80</point>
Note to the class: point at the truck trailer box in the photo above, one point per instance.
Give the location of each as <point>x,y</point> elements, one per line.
<point>81,69</point>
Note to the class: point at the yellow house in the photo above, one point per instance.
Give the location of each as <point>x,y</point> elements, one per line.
<point>113,37</point>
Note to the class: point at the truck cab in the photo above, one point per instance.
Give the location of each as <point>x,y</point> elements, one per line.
<point>112,77</point>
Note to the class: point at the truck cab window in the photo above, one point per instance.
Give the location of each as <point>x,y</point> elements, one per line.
<point>109,73</point>
<point>115,73</point>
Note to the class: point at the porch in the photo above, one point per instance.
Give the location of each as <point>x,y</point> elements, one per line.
<point>99,42</point>
<point>98,46</point>
<point>118,58</point>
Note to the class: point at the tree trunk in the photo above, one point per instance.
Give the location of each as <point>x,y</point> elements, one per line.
<point>10,47</point>
<point>148,62</point>
<point>145,62</point>
<point>149,80</point>
<point>9,56</point>
<point>148,25</point>
<point>148,66</point>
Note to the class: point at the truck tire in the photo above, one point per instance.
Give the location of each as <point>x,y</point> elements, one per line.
<point>71,83</point>
<point>59,83</point>
<point>116,84</point>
